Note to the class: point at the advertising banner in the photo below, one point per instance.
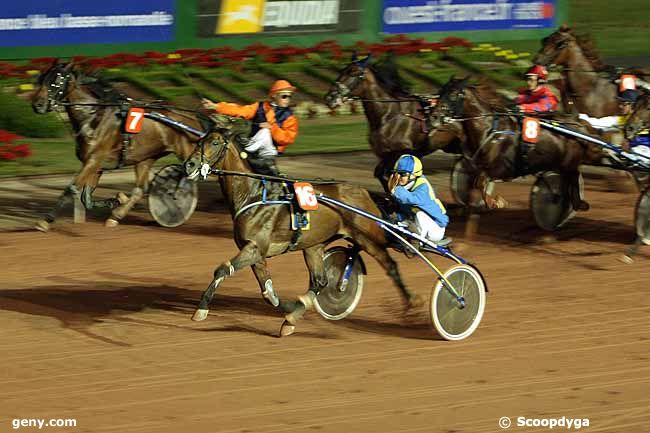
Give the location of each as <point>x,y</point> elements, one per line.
<point>237,17</point>
<point>413,16</point>
<point>63,22</point>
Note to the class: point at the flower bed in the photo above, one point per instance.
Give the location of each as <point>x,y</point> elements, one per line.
<point>10,151</point>
<point>218,56</point>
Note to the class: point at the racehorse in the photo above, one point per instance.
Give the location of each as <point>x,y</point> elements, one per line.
<point>493,147</point>
<point>589,84</point>
<point>263,231</point>
<point>639,120</point>
<point>100,141</point>
<point>394,115</point>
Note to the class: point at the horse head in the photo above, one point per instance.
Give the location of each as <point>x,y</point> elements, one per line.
<point>556,47</point>
<point>54,87</point>
<point>639,120</point>
<point>348,83</point>
<point>208,153</point>
<point>450,103</point>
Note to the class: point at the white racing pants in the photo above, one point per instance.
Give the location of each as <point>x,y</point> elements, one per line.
<point>428,228</point>
<point>262,144</point>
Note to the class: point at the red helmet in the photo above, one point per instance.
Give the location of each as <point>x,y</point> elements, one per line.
<point>539,71</point>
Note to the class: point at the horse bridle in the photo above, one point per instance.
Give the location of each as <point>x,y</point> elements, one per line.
<point>453,104</point>
<point>558,46</point>
<point>344,90</point>
<point>206,165</point>
<point>58,88</point>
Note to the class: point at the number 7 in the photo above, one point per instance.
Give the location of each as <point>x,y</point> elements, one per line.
<point>134,120</point>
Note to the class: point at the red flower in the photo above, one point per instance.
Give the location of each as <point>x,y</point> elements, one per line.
<point>8,137</point>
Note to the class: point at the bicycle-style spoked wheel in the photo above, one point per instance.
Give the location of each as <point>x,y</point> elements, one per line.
<point>452,321</point>
<point>336,302</point>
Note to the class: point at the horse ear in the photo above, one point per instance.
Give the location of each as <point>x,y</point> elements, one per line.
<point>354,56</point>
<point>70,66</point>
<point>564,28</point>
<point>365,61</point>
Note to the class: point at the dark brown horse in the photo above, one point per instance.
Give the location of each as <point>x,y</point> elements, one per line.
<point>394,115</point>
<point>263,231</point>
<point>493,148</point>
<point>100,142</point>
<point>588,84</point>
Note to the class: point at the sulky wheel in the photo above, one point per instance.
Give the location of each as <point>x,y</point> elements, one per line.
<point>172,196</point>
<point>450,320</point>
<point>642,217</point>
<point>550,201</point>
<point>337,301</point>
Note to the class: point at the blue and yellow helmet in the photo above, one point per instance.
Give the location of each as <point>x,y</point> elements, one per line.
<point>408,164</point>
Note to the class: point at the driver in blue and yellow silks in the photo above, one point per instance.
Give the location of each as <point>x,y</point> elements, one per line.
<point>417,200</point>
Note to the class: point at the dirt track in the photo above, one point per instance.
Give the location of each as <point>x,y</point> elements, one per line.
<point>95,326</point>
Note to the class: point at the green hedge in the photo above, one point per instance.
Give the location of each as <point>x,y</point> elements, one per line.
<point>16,115</point>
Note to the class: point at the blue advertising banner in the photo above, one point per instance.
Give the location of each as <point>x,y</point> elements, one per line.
<point>61,22</point>
<point>413,16</point>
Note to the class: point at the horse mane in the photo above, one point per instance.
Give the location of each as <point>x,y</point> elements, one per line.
<point>387,74</point>
<point>101,88</point>
<point>586,43</point>
<point>488,94</point>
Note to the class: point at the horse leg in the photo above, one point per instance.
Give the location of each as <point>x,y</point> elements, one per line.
<point>66,196</point>
<point>492,200</point>
<point>317,281</point>
<point>390,266</point>
<point>248,256</point>
<point>141,184</point>
<point>380,174</point>
<point>87,182</point>
<point>574,191</point>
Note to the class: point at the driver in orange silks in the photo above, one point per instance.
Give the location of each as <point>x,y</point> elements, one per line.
<point>274,125</point>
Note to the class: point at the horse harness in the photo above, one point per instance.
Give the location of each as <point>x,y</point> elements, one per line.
<point>300,219</point>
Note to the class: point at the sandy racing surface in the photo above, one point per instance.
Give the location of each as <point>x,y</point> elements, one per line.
<point>96,327</point>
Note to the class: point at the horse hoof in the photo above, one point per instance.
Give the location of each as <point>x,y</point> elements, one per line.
<point>293,317</point>
<point>42,226</point>
<point>200,314</point>
<point>111,222</point>
<point>548,239</point>
<point>645,241</point>
<point>416,302</point>
<point>625,259</point>
<point>287,329</point>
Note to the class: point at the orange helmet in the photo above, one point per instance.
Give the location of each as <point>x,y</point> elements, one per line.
<point>538,70</point>
<point>281,86</point>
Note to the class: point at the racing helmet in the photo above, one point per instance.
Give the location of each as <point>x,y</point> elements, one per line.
<point>281,86</point>
<point>408,164</point>
<point>539,71</point>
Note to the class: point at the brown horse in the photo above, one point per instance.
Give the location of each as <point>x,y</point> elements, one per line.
<point>639,120</point>
<point>588,84</point>
<point>100,141</point>
<point>493,146</point>
<point>263,231</point>
<point>395,116</point>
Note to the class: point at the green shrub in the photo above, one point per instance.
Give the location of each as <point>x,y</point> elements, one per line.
<point>16,115</point>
